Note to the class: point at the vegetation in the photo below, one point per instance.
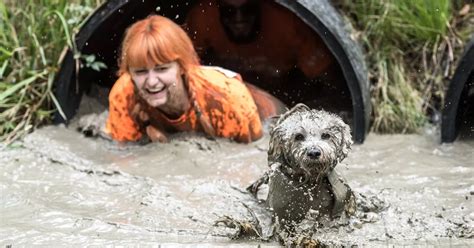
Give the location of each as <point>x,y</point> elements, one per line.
<point>33,35</point>
<point>412,49</point>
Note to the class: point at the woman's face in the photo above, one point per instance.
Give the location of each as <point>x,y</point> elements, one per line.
<point>158,84</point>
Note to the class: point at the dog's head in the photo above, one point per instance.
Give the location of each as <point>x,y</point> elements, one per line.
<point>311,141</point>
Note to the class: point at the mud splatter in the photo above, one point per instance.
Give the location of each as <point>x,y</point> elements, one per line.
<point>59,187</point>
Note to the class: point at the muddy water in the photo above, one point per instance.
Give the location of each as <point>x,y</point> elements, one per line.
<point>60,188</point>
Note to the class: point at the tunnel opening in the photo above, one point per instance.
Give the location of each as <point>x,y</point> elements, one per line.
<point>271,61</point>
<point>458,111</point>
<point>465,114</point>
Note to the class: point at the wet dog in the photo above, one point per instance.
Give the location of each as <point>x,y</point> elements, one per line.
<point>305,147</point>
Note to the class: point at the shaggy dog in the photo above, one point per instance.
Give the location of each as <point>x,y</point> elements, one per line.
<point>305,147</point>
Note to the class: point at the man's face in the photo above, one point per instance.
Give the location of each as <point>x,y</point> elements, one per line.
<point>240,18</point>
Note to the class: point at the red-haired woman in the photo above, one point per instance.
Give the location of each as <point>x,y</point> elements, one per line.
<point>163,89</point>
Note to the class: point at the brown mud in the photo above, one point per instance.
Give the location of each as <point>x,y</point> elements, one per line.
<point>61,188</point>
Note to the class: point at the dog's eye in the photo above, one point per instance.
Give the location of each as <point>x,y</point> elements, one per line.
<point>325,136</point>
<point>299,137</point>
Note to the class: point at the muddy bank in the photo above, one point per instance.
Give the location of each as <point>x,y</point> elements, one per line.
<point>60,188</point>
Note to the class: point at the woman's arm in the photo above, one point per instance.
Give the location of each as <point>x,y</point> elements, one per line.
<point>120,125</point>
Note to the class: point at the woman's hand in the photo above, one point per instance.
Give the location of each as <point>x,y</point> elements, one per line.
<point>153,133</point>
<point>156,135</point>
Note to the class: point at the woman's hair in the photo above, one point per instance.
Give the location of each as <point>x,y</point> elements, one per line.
<point>156,40</point>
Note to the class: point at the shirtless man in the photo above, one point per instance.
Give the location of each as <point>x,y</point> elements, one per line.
<point>266,43</point>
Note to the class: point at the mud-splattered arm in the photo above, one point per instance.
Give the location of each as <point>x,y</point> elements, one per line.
<point>120,124</point>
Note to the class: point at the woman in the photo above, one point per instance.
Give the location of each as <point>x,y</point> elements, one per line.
<point>162,89</point>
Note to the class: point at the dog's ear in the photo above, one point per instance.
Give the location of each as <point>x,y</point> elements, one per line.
<point>344,136</point>
<point>272,121</point>
<point>300,107</point>
<point>275,150</point>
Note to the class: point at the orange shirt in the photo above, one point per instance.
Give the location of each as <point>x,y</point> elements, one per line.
<point>222,106</point>
<point>284,42</point>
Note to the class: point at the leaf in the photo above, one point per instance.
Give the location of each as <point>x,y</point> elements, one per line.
<point>19,85</point>
<point>101,65</point>
<point>4,67</point>
<point>58,106</point>
<point>95,67</point>
<point>465,10</point>
<point>65,27</point>
<point>90,58</point>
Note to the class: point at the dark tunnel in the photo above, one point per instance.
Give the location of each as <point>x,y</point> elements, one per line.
<point>285,59</point>
<point>458,113</point>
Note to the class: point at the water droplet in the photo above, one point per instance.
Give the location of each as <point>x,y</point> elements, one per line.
<point>158,8</point>
<point>177,16</point>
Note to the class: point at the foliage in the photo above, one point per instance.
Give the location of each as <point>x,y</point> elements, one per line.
<point>33,35</point>
<point>412,48</point>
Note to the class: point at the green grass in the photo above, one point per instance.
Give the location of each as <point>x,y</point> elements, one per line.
<point>33,35</point>
<point>412,47</point>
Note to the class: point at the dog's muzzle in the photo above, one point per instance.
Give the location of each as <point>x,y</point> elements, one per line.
<point>313,153</point>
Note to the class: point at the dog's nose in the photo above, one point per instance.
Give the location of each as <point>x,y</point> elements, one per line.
<point>314,153</point>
